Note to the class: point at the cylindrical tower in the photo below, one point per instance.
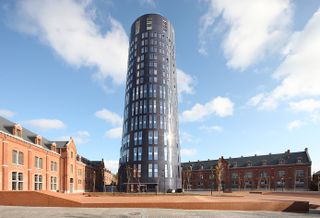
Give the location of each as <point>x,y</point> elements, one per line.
<point>150,150</point>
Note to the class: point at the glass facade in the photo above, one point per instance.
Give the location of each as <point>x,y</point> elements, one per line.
<point>150,138</point>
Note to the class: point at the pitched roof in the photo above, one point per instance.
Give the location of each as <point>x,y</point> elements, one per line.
<point>27,135</point>
<point>317,173</point>
<point>257,160</point>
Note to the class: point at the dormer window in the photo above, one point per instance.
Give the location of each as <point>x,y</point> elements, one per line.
<point>299,160</point>
<point>38,140</point>
<point>202,166</point>
<point>281,161</point>
<point>264,162</point>
<point>249,164</point>
<point>53,147</point>
<point>17,130</point>
<point>235,164</point>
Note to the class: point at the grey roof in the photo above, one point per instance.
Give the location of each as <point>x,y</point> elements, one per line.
<point>317,173</point>
<point>29,136</point>
<point>257,160</point>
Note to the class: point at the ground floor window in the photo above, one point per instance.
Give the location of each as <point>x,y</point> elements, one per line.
<point>37,182</point>
<point>53,183</point>
<point>17,181</point>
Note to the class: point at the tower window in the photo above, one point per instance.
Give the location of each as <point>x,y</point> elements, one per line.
<point>137,27</point>
<point>149,23</point>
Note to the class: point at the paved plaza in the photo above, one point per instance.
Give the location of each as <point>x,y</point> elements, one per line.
<point>45,212</point>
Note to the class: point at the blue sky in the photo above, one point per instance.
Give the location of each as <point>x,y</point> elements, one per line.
<point>248,73</point>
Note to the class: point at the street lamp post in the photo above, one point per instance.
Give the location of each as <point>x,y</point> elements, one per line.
<point>282,183</point>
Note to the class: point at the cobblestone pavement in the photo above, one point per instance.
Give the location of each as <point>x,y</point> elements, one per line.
<point>45,212</point>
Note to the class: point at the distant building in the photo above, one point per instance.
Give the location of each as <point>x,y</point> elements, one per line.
<point>316,179</point>
<point>284,171</point>
<point>150,151</point>
<point>30,162</point>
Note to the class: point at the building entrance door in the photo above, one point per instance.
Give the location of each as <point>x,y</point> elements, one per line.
<point>71,185</point>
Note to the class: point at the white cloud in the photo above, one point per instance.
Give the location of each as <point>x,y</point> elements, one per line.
<point>45,124</point>
<point>307,105</point>
<point>255,100</point>
<point>109,117</point>
<point>214,128</point>
<point>68,28</point>
<point>80,137</point>
<point>299,73</point>
<point>254,28</point>
<point>219,106</point>
<point>188,152</point>
<point>296,124</point>
<point>6,113</point>
<point>185,83</point>
<point>112,165</point>
<point>114,133</point>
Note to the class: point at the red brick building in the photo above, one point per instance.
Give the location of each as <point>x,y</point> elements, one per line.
<point>316,179</point>
<point>31,162</point>
<point>284,171</point>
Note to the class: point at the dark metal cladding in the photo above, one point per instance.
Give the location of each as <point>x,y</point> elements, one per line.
<point>150,151</point>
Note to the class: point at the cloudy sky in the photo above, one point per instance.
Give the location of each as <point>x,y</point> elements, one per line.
<point>248,73</point>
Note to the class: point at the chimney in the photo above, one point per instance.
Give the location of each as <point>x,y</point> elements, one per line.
<point>306,149</point>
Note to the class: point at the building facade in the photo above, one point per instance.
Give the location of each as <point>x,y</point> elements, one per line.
<point>30,162</point>
<point>150,151</point>
<point>316,180</point>
<point>284,171</point>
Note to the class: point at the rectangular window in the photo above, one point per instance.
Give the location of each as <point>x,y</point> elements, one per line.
<point>165,138</point>
<point>144,121</point>
<point>150,106</point>
<point>139,153</point>
<point>150,170</point>
<point>134,154</point>
<point>37,182</point>
<point>165,153</point>
<point>140,138</point>
<point>145,91</point>
<point>53,184</point>
<point>154,91</point>
<point>150,151</point>
<point>150,137</point>
<point>281,173</point>
<point>170,171</point>
<point>140,122</point>
<point>166,170</point>
<point>14,157</point>
<point>155,152</point>
<point>150,121</point>
<point>38,163</point>
<point>155,121</point>
<point>54,166</point>
<point>137,27</point>
<point>139,170</point>
<point>149,23</point>
<point>135,138</point>
<point>140,107</point>
<point>154,106</point>
<point>155,170</point>
<point>134,170</point>
<point>155,138</point>
<point>299,173</point>
<point>20,158</point>
<point>17,181</point>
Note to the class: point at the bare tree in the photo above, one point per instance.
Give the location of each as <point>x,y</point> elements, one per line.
<point>188,175</point>
<point>129,175</point>
<point>219,172</point>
